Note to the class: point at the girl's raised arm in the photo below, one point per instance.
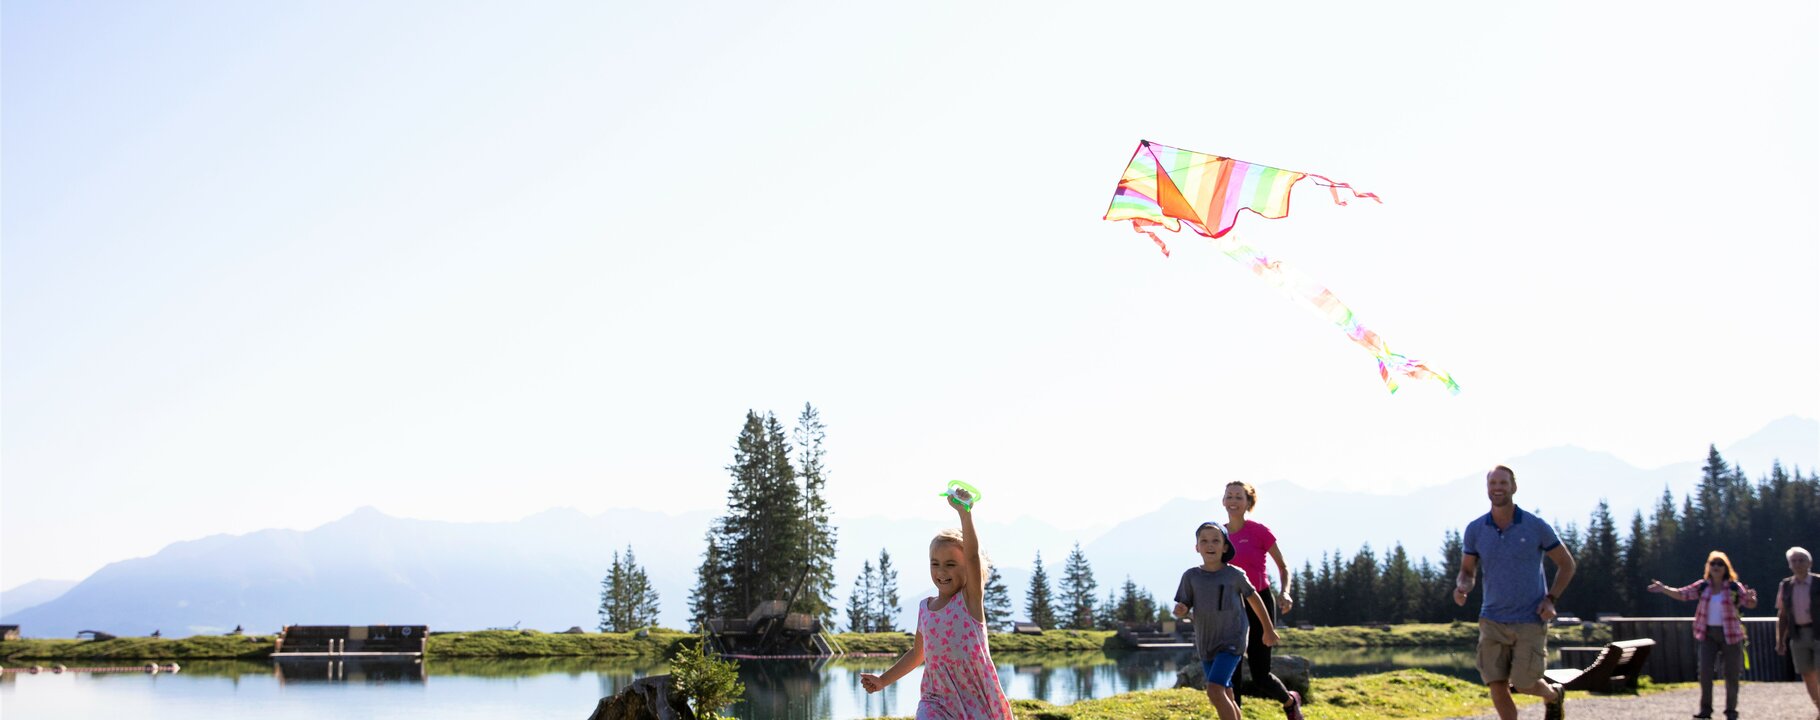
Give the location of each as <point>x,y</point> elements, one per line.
<point>974,591</point>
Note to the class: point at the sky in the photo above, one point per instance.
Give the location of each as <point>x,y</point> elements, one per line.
<point>264,263</point>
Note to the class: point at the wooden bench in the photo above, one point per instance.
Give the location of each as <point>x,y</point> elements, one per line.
<point>1614,670</point>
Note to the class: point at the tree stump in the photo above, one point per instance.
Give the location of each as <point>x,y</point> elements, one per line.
<point>647,698</point>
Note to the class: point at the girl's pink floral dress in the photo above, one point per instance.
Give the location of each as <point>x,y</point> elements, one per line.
<point>959,680</point>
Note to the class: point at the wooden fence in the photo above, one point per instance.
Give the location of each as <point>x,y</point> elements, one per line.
<point>1676,657</point>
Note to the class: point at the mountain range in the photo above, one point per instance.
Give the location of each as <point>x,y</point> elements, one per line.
<point>544,571</point>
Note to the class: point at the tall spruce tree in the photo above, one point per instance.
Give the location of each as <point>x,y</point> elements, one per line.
<point>1037,601</point>
<point>859,602</point>
<point>1598,557</point>
<point>712,591</point>
<point>998,602</point>
<point>886,605</point>
<point>818,592</point>
<point>1078,588</point>
<point>627,600</point>
<point>613,597</point>
<point>765,549</point>
<point>1400,587</point>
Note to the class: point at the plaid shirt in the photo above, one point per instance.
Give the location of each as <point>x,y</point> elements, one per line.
<point>1701,590</point>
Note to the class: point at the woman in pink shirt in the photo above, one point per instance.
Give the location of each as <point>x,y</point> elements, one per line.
<point>1716,626</point>
<point>1251,542</point>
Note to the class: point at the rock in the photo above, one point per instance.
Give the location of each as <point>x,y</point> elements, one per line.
<point>1295,671</point>
<point>574,630</point>
<point>647,698</point>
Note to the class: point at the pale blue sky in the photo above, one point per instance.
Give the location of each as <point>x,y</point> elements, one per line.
<point>264,263</point>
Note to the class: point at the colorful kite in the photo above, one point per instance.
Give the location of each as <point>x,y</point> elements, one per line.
<point>1170,187</point>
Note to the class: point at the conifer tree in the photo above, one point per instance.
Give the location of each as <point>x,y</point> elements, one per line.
<point>627,600</point>
<point>859,602</point>
<point>998,602</point>
<point>765,549</point>
<point>711,592</point>
<point>1037,602</point>
<point>1597,557</point>
<point>1078,588</point>
<point>818,592</point>
<point>1105,617</point>
<point>886,607</point>
<point>613,598</point>
<point>1359,587</point>
<point>1400,587</point>
<point>642,597</point>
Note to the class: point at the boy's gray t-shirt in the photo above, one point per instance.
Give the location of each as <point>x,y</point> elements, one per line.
<point>1217,602</point>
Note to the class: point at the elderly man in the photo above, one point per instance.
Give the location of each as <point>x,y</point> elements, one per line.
<point>1796,599</point>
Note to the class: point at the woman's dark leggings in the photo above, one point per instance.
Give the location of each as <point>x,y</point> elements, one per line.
<point>1257,654</point>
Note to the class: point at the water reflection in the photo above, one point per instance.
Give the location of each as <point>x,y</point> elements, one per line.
<point>568,687</point>
<point>371,671</point>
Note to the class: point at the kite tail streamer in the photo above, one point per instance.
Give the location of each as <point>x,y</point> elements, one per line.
<point>1317,297</point>
<point>1334,187</point>
<point>1143,226</point>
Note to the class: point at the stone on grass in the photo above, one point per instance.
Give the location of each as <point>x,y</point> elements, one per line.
<point>1294,670</point>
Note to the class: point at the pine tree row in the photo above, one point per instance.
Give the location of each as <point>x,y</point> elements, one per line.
<point>1753,523</point>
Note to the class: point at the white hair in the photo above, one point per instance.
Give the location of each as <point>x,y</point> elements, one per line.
<point>1798,550</point>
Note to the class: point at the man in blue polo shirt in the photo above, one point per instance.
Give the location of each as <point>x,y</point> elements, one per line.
<point>1518,601</point>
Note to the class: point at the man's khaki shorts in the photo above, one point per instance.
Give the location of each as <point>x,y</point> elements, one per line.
<point>1804,649</point>
<point>1516,653</point>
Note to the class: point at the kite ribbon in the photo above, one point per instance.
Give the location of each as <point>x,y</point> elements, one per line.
<point>1318,298</point>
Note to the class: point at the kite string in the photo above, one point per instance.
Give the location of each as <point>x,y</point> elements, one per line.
<point>1318,298</point>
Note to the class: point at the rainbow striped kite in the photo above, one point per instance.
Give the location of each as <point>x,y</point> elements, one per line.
<point>1170,187</point>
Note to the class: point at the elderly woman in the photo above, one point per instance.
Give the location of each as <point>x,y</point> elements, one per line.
<point>1717,626</point>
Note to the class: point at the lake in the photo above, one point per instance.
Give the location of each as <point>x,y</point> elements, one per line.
<point>568,688</point>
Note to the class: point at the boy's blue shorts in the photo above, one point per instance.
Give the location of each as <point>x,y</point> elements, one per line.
<point>1221,669</point>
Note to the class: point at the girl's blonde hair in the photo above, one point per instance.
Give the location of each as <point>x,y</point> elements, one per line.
<point>953,536</point>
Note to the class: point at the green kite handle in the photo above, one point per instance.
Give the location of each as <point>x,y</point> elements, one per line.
<point>973,494</point>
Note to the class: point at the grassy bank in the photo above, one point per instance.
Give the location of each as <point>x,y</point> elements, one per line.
<point>200,647</point>
<point>1456,634</point>
<point>662,643</point>
<point>531,643</point>
<point>1448,635</point>
<point>1400,695</point>
<point>1049,641</point>
<point>483,643</point>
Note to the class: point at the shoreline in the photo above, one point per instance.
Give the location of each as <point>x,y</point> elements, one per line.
<point>664,642</point>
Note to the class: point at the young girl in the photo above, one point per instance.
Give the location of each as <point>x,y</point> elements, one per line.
<point>1716,626</point>
<point>959,681</point>
<point>1214,592</point>
<point>1251,543</point>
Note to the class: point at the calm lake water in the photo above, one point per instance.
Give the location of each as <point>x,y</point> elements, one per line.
<point>568,688</point>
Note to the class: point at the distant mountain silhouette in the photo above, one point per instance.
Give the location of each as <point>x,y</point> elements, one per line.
<point>36,592</point>
<point>544,571</point>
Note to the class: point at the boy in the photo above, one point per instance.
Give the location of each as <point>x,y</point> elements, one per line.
<point>1213,593</point>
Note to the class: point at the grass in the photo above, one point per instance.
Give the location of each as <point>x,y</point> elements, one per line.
<point>1455,634</point>
<point>200,647</point>
<point>531,643</point>
<point>663,643</point>
<point>1398,695</point>
<point>483,643</point>
<point>1049,641</point>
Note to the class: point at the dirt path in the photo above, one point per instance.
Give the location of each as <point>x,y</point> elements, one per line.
<point>1770,701</point>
